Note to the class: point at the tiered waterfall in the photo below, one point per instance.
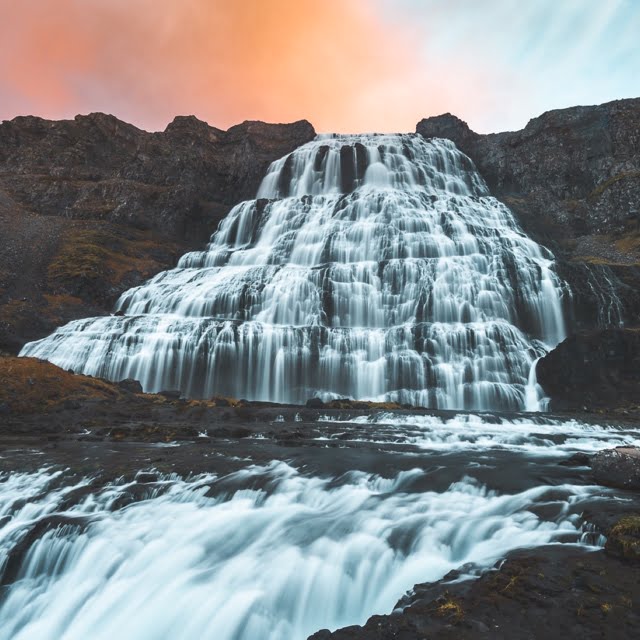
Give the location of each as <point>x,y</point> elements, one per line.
<point>370,266</point>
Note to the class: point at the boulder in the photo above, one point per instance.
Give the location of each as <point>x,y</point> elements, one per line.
<point>623,539</point>
<point>171,394</point>
<point>131,385</point>
<point>619,467</point>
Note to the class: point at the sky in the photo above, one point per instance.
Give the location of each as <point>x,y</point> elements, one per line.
<point>344,65</point>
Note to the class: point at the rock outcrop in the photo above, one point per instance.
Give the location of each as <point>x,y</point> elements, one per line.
<point>573,178</point>
<point>620,468</point>
<point>92,206</point>
<point>596,369</point>
<point>623,540</point>
<point>556,592</point>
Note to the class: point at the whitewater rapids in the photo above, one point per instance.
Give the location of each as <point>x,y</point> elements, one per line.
<point>278,551</point>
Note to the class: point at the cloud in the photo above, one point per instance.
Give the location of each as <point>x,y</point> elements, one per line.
<point>346,65</point>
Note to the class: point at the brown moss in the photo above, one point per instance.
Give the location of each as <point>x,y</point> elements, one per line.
<point>629,242</point>
<point>29,385</point>
<point>612,250</point>
<point>624,538</point>
<point>449,607</point>
<point>99,259</point>
<point>14,309</point>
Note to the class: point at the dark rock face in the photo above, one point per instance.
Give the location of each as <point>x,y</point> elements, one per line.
<point>130,385</point>
<point>620,468</point>
<point>593,369</point>
<point>179,182</point>
<point>92,206</point>
<point>573,178</point>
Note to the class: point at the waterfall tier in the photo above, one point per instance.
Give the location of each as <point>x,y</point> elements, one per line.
<point>373,267</point>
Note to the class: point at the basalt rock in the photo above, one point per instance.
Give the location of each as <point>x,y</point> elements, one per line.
<point>620,468</point>
<point>593,369</point>
<point>573,178</point>
<point>556,592</point>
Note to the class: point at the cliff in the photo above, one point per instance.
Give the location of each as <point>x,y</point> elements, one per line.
<point>573,178</point>
<point>92,206</point>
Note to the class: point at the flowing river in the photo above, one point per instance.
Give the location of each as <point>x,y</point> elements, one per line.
<point>339,530</point>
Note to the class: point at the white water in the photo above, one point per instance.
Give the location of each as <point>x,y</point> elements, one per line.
<point>272,554</point>
<point>373,267</point>
<point>469,432</point>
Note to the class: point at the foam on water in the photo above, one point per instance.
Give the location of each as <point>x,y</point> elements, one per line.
<point>266,553</point>
<point>372,267</point>
<point>529,436</point>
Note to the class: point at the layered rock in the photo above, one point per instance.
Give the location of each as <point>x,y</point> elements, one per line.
<point>92,206</point>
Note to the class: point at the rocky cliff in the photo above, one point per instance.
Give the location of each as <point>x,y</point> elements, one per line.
<point>594,370</point>
<point>92,206</point>
<point>573,178</point>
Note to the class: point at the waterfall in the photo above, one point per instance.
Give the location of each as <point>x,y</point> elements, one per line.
<point>369,266</point>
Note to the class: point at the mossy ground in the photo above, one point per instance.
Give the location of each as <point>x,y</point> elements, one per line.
<point>624,538</point>
<point>98,260</point>
<point>29,385</point>
<point>607,184</point>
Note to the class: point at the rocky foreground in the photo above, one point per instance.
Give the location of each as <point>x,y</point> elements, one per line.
<point>106,430</point>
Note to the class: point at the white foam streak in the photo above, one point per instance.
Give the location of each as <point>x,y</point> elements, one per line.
<point>470,432</point>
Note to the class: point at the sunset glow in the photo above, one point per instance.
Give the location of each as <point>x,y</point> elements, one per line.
<point>345,65</point>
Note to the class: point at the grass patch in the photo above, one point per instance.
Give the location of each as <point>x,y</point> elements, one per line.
<point>93,262</point>
<point>450,608</point>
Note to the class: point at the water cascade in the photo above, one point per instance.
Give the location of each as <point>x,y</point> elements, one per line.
<point>371,266</point>
<point>265,553</point>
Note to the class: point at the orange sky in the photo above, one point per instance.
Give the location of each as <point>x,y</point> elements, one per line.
<point>337,63</point>
<point>345,65</point>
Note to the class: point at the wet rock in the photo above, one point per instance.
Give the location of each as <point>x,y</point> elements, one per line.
<point>619,467</point>
<point>5,410</point>
<point>623,540</point>
<point>577,460</point>
<point>593,369</point>
<point>130,385</point>
<point>146,477</point>
<point>555,592</point>
<point>315,403</point>
<point>171,394</point>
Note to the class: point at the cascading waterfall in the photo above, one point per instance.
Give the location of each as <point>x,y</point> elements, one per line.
<point>371,266</point>
<point>248,563</point>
